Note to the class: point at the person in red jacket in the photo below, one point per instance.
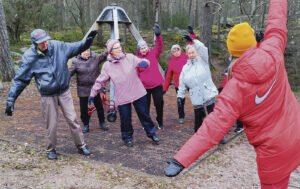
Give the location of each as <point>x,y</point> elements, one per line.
<point>258,94</point>
<point>151,77</point>
<point>175,65</point>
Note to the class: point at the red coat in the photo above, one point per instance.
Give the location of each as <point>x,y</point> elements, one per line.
<point>151,76</point>
<point>174,67</point>
<point>260,96</point>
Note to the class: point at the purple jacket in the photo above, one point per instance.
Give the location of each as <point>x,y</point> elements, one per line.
<point>128,86</point>
<point>151,77</point>
<point>87,72</point>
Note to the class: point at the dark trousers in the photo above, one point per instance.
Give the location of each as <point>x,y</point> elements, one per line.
<point>140,106</point>
<point>85,118</point>
<point>200,115</point>
<point>180,108</point>
<point>157,94</point>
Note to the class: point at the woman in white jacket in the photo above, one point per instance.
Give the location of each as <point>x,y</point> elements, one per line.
<point>196,77</point>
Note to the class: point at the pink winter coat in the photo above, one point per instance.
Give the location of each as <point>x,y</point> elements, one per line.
<point>260,96</point>
<point>128,86</point>
<point>174,68</point>
<point>151,77</point>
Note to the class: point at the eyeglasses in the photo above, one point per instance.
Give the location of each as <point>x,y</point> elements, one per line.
<point>116,48</point>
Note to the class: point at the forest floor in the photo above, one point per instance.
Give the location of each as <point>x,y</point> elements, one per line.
<point>23,162</point>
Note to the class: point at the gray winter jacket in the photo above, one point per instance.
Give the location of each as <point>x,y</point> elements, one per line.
<point>49,70</point>
<point>87,72</point>
<point>196,77</point>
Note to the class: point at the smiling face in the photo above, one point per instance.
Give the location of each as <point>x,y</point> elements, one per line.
<point>116,49</point>
<point>192,53</point>
<point>86,54</point>
<point>144,50</point>
<point>43,45</point>
<point>176,52</point>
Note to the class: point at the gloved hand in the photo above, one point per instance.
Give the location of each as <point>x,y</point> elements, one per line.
<point>91,100</point>
<point>92,34</point>
<point>164,92</point>
<point>9,108</point>
<point>174,168</point>
<point>259,36</point>
<point>143,64</point>
<point>190,29</point>
<point>187,37</point>
<point>156,30</point>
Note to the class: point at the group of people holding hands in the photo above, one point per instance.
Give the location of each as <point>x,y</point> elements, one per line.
<point>257,92</point>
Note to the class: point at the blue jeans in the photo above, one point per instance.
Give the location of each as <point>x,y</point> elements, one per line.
<point>140,106</point>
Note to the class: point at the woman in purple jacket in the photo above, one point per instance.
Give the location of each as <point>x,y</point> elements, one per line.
<point>86,67</point>
<point>121,69</point>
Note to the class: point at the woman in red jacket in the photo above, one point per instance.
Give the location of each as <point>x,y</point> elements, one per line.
<point>258,94</point>
<point>175,65</point>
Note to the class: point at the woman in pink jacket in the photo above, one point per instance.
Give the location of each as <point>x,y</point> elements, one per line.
<point>151,77</point>
<point>258,94</point>
<point>121,68</point>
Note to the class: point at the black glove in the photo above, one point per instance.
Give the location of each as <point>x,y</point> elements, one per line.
<point>92,34</point>
<point>190,29</point>
<point>9,108</point>
<point>156,30</point>
<point>187,37</point>
<point>259,36</point>
<point>174,168</point>
<point>164,92</point>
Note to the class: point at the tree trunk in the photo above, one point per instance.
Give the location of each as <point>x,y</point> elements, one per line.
<point>197,14</point>
<point>100,32</point>
<point>190,22</point>
<point>156,11</point>
<point>207,22</point>
<point>6,69</point>
<point>60,14</point>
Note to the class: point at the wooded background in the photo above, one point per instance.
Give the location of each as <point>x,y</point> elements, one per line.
<point>211,18</point>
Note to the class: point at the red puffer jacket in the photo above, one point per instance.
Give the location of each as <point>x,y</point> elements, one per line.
<point>260,96</point>
<point>174,67</point>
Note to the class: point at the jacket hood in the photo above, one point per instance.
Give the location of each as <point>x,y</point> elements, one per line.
<point>254,66</point>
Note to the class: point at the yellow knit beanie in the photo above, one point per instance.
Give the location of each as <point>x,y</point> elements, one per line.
<point>240,39</point>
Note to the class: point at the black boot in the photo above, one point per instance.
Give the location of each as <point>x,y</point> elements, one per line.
<point>85,129</point>
<point>154,138</point>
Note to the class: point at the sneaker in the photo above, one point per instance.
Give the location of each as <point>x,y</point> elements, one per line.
<point>160,127</point>
<point>52,155</point>
<point>84,151</point>
<point>103,126</point>
<point>154,138</point>
<point>181,121</point>
<point>239,129</point>
<point>128,143</point>
<point>85,129</point>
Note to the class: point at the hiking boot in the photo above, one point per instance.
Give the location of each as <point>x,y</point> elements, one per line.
<point>181,120</point>
<point>160,127</point>
<point>85,129</point>
<point>103,126</point>
<point>52,155</point>
<point>239,130</point>
<point>84,151</point>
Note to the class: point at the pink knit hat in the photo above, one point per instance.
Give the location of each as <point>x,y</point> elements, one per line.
<point>110,43</point>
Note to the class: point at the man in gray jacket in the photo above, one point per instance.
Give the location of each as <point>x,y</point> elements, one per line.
<point>46,61</point>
